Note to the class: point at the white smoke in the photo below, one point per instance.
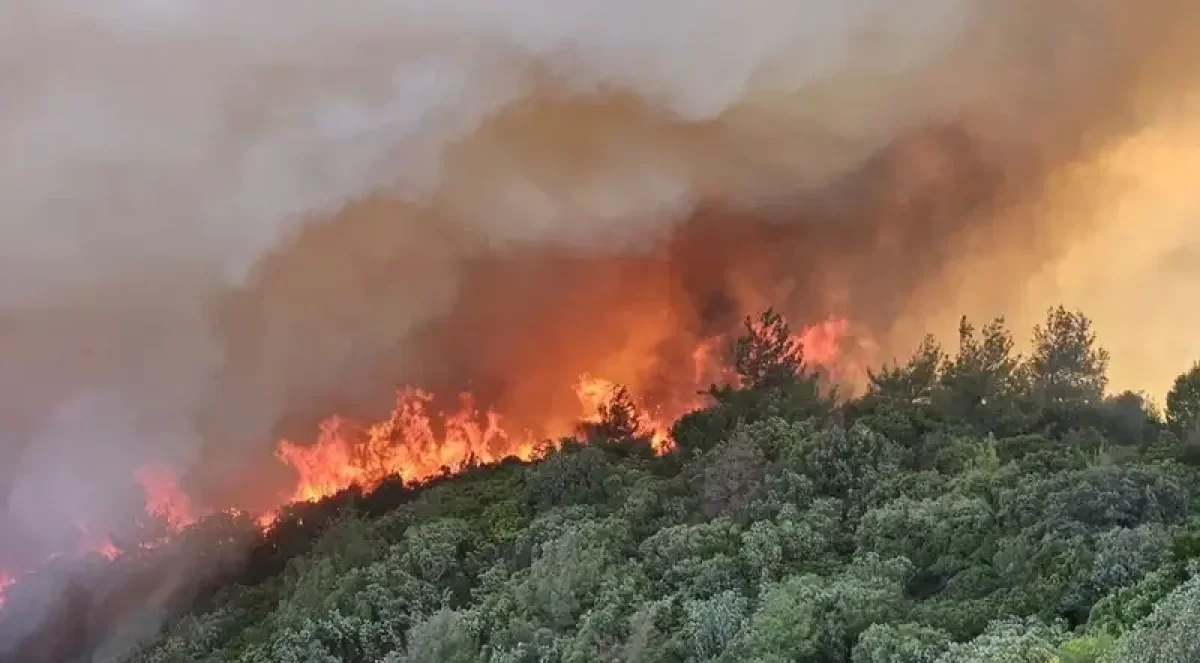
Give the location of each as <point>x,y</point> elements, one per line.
<point>210,209</point>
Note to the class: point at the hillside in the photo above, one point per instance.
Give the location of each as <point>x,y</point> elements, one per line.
<point>971,505</point>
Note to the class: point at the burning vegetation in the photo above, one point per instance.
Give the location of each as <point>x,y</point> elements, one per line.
<point>418,441</point>
<point>895,513</point>
<point>226,239</point>
<point>417,444</point>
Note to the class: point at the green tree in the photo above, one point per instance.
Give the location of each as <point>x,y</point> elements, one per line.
<point>713,624</point>
<point>846,464</point>
<point>1009,641</point>
<point>1183,405</point>
<point>447,636</point>
<point>899,398</point>
<point>1066,366</point>
<point>984,385</point>
<point>773,381</point>
<point>900,643</point>
<point>941,536</point>
<point>1170,634</point>
<point>1124,556</point>
<point>816,618</point>
<point>1122,609</point>
<point>911,384</point>
<point>732,476</point>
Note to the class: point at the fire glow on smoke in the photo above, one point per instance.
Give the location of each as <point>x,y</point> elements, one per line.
<point>418,440</point>
<point>284,218</point>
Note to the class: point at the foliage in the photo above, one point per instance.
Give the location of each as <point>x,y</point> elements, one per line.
<point>767,355</point>
<point>1171,633</point>
<point>974,507</point>
<point>1008,641</point>
<point>886,643</point>
<point>1066,366</point>
<point>1183,405</point>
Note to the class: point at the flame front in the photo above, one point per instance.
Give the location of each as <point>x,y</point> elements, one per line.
<point>419,441</point>
<point>415,443</point>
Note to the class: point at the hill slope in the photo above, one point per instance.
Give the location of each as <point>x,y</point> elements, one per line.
<point>977,506</point>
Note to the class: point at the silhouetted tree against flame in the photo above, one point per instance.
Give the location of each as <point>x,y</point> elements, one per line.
<point>619,425</point>
<point>766,355</point>
<point>773,381</point>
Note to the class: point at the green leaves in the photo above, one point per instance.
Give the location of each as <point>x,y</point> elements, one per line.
<point>1066,366</point>
<point>1183,406</point>
<point>979,507</point>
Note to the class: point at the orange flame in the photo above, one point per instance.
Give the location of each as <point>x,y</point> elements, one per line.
<point>164,497</point>
<point>822,342</point>
<point>417,442</point>
<point>109,550</point>
<point>596,393</point>
<point>101,544</point>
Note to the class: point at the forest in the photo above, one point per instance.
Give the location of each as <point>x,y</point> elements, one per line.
<point>972,504</point>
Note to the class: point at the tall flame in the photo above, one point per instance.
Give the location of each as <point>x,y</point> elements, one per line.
<point>418,441</point>
<point>597,393</point>
<point>415,443</point>
<point>421,440</point>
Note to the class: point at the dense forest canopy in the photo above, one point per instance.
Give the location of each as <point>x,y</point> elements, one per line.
<point>972,505</point>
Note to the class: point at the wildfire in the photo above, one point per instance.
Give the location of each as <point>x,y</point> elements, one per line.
<point>109,550</point>
<point>164,498</point>
<point>822,342</point>
<point>419,441</point>
<point>415,443</point>
<point>422,439</point>
<point>92,542</point>
<point>596,393</point>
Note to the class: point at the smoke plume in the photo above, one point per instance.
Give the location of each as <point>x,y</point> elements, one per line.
<point>221,221</point>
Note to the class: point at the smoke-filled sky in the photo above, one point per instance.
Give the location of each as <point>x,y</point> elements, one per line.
<point>221,220</point>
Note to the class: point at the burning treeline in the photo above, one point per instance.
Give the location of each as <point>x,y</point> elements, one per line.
<point>221,227</point>
<point>152,567</point>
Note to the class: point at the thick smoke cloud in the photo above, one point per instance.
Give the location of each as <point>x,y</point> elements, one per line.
<point>220,220</point>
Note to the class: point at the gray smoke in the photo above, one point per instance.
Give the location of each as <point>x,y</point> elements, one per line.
<point>215,214</point>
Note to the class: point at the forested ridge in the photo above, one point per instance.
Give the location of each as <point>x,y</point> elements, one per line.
<point>971,505</point>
